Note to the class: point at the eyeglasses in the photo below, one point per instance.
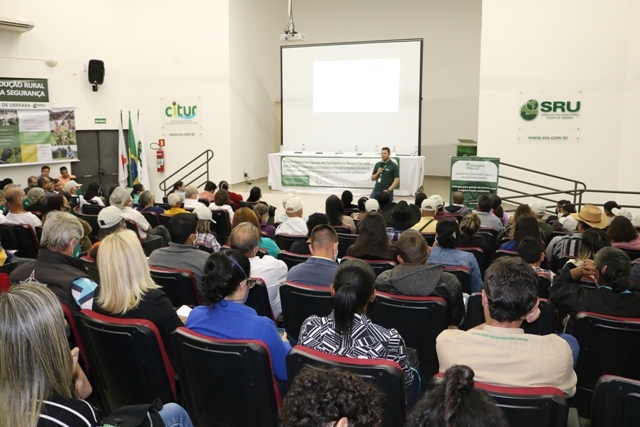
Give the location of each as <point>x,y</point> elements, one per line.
<point>249,282</point>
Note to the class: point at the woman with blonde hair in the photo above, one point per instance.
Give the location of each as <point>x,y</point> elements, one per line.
<point>248,215</point>
<point>41,383</point>
<point>126,287</point>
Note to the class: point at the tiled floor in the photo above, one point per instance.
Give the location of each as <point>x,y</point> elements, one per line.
<point>315,202</point>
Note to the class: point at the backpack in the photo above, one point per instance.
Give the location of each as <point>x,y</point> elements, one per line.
<point>136,416</point>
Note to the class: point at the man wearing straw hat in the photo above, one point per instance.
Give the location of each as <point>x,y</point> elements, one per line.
<point>567,246</point>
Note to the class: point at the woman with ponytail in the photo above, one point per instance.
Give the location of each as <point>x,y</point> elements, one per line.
<point>347,331</point>
<point>226,285</point>
<point>444,251</point>
<point>456,403</point>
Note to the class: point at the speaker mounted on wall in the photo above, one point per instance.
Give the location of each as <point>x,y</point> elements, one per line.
<point>96,73</point>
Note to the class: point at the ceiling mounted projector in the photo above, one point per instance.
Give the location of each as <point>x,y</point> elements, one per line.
<point>292,37</point>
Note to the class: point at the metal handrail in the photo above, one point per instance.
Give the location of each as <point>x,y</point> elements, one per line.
<point>631,193</point>
<point>208,154</point>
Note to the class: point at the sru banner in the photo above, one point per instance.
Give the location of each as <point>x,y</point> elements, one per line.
<point>18,93</point>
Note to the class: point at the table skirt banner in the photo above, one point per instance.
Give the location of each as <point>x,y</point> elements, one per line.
<point>321,172</point>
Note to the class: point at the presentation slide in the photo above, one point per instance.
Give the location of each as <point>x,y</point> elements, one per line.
<point>350,97</point>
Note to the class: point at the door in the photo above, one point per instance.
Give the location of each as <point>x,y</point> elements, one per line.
<point>98,153</point>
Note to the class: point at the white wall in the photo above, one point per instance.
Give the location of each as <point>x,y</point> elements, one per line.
<point>151,49</point>
<point>564,46</point>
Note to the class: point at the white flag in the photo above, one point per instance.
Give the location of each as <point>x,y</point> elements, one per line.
<point>143,173</point>
<point>123,169</point>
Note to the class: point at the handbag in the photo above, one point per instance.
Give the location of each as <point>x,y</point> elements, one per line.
<point>136,416</point>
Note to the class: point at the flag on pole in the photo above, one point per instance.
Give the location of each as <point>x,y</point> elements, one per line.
<point>143,174</point>
<point>134,164</point>
<point>123,169</point>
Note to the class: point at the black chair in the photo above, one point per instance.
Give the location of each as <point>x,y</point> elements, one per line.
<point>204,202</point>
<point>292,259</point>
<point>430,238</point>
<point>165,206</point>
<point>93,222</point>
<point>526,406</point>
<point>91,268</point>
<point>463,274</point>
<point>91,209</point>
<point>489,240</point>
<point>503,252</point>
<point>75,338</point>
<point>179,285</point>
<point>258,299</point>
<point>300,301</point>
<point>148,245</point>
<point>344,241</point>
<point>222,226</point>
<point>226,382</point>
<point>152,218</point>
<point>164,219</point>
<point>419,320</point>
<point>245,204</point>
<point>284,241</point>
<point>544,283</point>
<point>478,253</point>
<point>342,229</point>
<point>21,238</point>
<point>128,361</point>
<point>616,402</point>
<point>608,345</point>
<point>378,265</point>
<point>632,254</point>
<point>385,374</point>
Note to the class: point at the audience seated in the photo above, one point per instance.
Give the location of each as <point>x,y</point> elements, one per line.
<point>400,217</point>
<point>497,210</point>
<point>456,403</point>
<point>365,206</point>
<point>175,205</point>
<point>294,224</point>
<point>110,220</point>
<point>248,215</point>
<point>444,251</point>
<point>93,195</point>
<point>321,267</point>
<point>457,206</point>
<point>255,195</point>
<point>414,276</point>
<point>37,200</point>
<point>347,331</point>
<point>191,198</point>
<point>539,210</point>
<point>611,268</point>
<point>509,297</point>
<point>487,219</point>
<point>222,202</point>
<point>235,198</point>
<point>302,247</point>
<point>226,284</point>
<point>469,226</point>
<point>17,214</point>
<point>72,188</point>
<point>47,185</point>
<point>558,211</point>
<point>439,205</point>
<point>565,221</point>
<point>332,397</point>
<point>428,222</point>
<point>209,192</point>
<point>204,236</point>
<point>526,226</point>
<point>64,177</point>
<point>178,188</point>
<point>531,251</point>
<point>146,203</point>
<point>284,217</point>
<point>181,253</point>
<point>385,201</point>
<point>347,200</point>
<point>127,289</point>
<point>622,232</point>
<point>507,231</point>
<point>245,237</point>
<point>372,242</point>
<point>335,212</point>
<point>41,379</point>
<point>60,202</point>
<point>608,209</point>
<point>420,197</point>
<point>57,265</point>
<point>262,212</point>
<point>121,198</point>
<point>135,195</point>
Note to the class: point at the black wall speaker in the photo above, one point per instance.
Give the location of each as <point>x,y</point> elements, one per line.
<point>96,71</point>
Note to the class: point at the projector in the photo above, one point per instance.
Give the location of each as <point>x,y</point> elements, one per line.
<point>292,37</point>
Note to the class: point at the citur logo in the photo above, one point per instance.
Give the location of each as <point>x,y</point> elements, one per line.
<point>181,111</point>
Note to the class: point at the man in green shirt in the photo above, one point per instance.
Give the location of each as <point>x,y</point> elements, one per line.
<point>386,174</point>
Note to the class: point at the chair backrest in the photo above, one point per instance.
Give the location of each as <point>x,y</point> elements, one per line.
<point>284,241</point>
<point>544,283</point>
<point>152,218</point>
<point>503,252</point>
<point>204,202</point>
<point>300,301</point>
<point>164,219</point>
<point>616,402</point>
<point>633,254</point>
<point>525,406</point>
<point>222,226</point>
<point>226,382</point>
<point>378,265</point>
<point>245,204</point>
<point>489,239</point>
<point>430,238</point>
<point>344,241</point>
<point>258,299</point>
<point>179,285</point>
<point>478,253</point>
<point>608,345</point>
<point>20,237</point>
<point>385,374</point>
<point>150,244</point>
<point>75,339</point>
<point>91,209</point>
<point>292,259</point>
<point>463,274</point>
<point>93,222</point>
<point>404,313</point>
<point>128,361</point>
<point>91,268</point>
<point>342,229</point>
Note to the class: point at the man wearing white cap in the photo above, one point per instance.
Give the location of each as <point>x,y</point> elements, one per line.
<point>372,205</point>
<point>428,222</point>
<point>71,187</point>
<point>110,220</point>
<point>121,198</point>
<point>294,225</point>
<point>539,210</point>
<point>284,217</point>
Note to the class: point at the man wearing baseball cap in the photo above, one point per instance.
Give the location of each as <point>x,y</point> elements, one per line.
<point>121,198</point>
<point>539,209</point>
<point>294,225</point>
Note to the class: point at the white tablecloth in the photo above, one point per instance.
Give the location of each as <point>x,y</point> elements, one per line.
<point>328,172</point>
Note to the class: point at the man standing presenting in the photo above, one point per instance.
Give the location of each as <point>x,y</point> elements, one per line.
<point>386,174</point>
